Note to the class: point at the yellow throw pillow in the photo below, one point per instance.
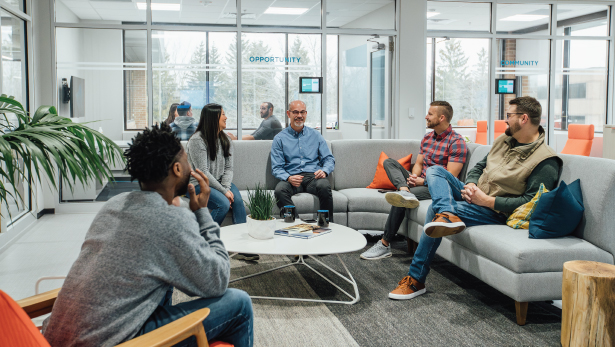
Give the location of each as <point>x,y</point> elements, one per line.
<point>520,218</point>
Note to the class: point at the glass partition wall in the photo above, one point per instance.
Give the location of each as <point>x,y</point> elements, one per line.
<point>558,52</point>
<point>14,82</point>
<point>139,58</point>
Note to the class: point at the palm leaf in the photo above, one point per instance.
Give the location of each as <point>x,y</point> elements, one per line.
<point>47,140</point>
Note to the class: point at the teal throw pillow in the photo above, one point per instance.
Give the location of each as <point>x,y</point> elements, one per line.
<point>558,213</point>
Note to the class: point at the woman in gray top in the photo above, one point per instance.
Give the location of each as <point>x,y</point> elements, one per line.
<point>211,151</point>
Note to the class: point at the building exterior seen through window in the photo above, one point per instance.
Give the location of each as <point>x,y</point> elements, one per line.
<point>458,64</point>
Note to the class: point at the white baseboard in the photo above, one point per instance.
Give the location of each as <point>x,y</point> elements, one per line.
<point>16,231</point>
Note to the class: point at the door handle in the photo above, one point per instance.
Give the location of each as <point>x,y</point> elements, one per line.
<point>366,125</point>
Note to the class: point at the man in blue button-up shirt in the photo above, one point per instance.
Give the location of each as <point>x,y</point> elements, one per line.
<point>301,160</point>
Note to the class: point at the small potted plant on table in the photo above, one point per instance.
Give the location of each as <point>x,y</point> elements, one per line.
<point>261,224</point>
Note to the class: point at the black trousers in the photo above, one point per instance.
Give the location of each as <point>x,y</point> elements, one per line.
<point>319,187</point>
<point>398,175</point>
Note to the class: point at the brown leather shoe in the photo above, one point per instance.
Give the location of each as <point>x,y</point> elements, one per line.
<point>444,225</point>
<point>407,288</point>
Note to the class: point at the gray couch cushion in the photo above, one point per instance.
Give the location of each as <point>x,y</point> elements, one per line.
<point>306,203</point>
<point>367,220</point>
<point>356,160</point>
<point>598,186</point>
<point>420,213</point>
<point>471,148</point>
<point>478,153</point>
<point>252,164</point>
<point>513,249</point>
<point>366,200</point>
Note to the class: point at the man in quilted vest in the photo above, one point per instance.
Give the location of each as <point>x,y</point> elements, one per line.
<point>508,177</point>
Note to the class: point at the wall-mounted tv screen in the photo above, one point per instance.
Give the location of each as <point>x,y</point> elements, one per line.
<point>310,84</point>
<point>77,97</point>
<point>503,86</point>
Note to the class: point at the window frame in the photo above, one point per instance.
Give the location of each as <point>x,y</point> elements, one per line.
<point>29,87</point>
<point>149,26</point>
<point>553,38</point>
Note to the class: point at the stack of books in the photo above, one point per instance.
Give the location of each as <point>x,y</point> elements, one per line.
<point>303,231</point>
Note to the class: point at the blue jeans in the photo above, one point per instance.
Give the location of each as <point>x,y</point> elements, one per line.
<point>230,319</point>
<point>219,205</point>
<point>445,190</point>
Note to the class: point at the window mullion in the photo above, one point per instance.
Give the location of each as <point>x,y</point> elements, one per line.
<point>150,72</point>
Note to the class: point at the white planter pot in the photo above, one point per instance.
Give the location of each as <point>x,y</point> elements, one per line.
<point>261,229</point>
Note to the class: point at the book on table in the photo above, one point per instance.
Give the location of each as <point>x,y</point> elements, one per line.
<point>303,231</point>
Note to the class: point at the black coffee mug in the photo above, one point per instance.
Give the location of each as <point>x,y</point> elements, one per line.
<point>288,213</point>
<point>323,218</point>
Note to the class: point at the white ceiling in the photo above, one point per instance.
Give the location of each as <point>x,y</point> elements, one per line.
<point>340,12</point>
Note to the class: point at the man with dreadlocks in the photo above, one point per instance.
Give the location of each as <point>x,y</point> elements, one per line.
<point>138,247</point>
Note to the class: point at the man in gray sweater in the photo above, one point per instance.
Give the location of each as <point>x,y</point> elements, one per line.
<point>140,246</point>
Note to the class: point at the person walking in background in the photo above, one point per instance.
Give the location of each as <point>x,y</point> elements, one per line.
<point>184,125</point>
<point>301,159</point>
<point>269,127</point>
<point>172,114</point>
<point>211,151</point>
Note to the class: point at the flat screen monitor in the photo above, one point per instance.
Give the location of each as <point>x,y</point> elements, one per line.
<point>77,97</point>
<point>505,86</point>
<point>310,84</point>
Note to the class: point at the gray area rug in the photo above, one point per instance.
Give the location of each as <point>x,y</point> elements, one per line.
<point>284,323</point>
<point>457,310</point>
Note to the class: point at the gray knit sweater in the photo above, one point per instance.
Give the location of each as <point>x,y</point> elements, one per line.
<point>219,172</point>
<point>137,246</point>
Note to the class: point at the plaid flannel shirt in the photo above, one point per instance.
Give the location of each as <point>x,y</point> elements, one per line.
<point>441,149</point>
<point>183,134</point>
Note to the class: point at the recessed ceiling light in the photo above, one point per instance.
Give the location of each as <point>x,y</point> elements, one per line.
<point>159,7</point>
<point>524,17</point>
<point>431,14</point>
<point>286,10</point>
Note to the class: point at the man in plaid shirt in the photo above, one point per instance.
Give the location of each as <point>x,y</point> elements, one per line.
<point>441,147</point>
<point>508,177</point>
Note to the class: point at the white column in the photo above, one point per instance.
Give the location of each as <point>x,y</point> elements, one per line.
<point>411,54</point>
<point>43,80</point>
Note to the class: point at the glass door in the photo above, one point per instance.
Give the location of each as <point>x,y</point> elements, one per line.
<point>364,87</point>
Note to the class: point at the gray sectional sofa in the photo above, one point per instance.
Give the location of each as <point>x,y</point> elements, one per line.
<point>522,268</point>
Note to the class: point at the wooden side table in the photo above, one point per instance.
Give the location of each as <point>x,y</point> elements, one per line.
<point>588,304</point>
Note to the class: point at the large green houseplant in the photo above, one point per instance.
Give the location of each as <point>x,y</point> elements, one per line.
<point>44,140</point>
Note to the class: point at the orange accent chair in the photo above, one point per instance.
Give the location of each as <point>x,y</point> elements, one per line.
<point>499,127</point>
<point>580,139</point>
<point>481,132</point>
<point>17,329</point>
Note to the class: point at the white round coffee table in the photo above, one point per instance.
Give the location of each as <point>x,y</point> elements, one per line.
<point>341,239</point>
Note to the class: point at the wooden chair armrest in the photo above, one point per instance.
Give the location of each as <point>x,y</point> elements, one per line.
<point>40,304</point>
<point>174,332</point>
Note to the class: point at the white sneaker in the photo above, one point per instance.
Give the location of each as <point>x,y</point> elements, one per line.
<point>378,251</point>
<point>402,198</point>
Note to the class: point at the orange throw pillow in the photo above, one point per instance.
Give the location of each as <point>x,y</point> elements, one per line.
<point>381,180</point>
